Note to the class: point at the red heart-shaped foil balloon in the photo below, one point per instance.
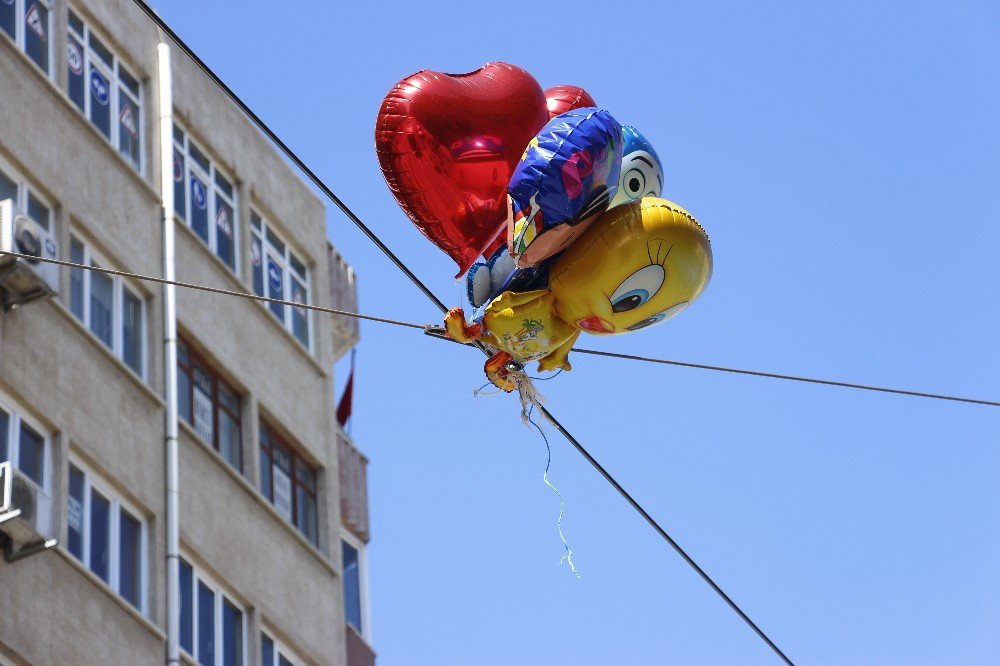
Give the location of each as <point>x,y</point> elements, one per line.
<point>448,144</point>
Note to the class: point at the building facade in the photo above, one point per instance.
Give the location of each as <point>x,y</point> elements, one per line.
<point>273,507</point>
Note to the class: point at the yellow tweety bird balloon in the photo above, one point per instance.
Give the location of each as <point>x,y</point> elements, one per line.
<point>639,264</point>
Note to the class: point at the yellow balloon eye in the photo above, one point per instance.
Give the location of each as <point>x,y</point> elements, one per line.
<point>638,288</point>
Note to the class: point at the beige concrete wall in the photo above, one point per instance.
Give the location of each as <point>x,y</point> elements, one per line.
<point>102,414</point>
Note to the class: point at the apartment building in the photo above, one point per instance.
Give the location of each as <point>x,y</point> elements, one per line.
<point>273,515</point>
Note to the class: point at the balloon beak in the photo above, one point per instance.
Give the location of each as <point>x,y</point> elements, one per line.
<point>594,324</point>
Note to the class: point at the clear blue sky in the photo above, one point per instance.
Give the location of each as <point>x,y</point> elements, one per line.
<point>846,162</point>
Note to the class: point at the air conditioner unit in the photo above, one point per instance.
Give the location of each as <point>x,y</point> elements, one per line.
<point>28,516</point>
<point>23,280</point>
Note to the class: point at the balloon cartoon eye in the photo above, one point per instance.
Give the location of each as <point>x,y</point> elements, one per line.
<point>638,288</point>
<point>660,316</point>
<point>635,183</point>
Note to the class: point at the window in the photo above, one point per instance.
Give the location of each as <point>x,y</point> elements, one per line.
<point>28,23</point>
<point>355,583</point>
<point>104,90</point>
<point>273,653</point>
<point>24,198</point>
<point>278,273</point>
<point>205,198</point>
<point>106,536</point>
<point>212,626</point>
<point>289,482</point>
<point>112,311</point>
<point>209,404</point>
<point>23,445</point>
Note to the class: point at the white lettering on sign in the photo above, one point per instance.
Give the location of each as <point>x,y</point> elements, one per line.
<point>282,493</point>
<point>203,415</point>
<point>75,518</point>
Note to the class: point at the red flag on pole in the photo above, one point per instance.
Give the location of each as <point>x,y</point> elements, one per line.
<point>344,406</point>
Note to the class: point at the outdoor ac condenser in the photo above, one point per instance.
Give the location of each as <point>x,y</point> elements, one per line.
<point>24,280</point>
<point>28,518</point>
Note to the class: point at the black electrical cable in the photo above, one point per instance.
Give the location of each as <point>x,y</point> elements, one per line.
<point>402,267</point>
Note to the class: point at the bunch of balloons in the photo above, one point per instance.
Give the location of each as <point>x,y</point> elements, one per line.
<point>560,201</point>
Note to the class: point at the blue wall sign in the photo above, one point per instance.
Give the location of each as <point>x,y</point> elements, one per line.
<point>198,194</point>
<point>274,276</point>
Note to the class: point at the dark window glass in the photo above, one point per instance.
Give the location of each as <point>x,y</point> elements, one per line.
<point>184,394</point>
<point>100,101</point>
<point>282,661</point>
<point>273,239</point>
<point>102,306</point>
<point>255,220</point>
<point>257,263</point>
<point>276,287</point>
<point>266,651</point>
<point>306,515</point>
<point>129,129</point>
<point>200,158</point>
<point>297,265</point>
<point>206,625</point>
<point>4,434</point>
<point>265,474</point>
<point>300,316</point>
<point>74,66</point>
<point>225,245</point>
<point>187,607</point>
<point>229,438</point>
<point>8,188</point>
<point>74,519</point>
<point>102,52</point>
<point>36,33</point>
<point>232,635</point>
<point>224,185</point>
<point>129,557</point>
<point>132,332</point>
<point>37,211</point>
<point>180,194</point>
<point>75,22</point>
<point>128,81</point>
<point>31,458</point>
<point>199,207</point>
<point>178,135</point>
<point>76,278</point>
<point>8,18</point>
<point>352,586</point>
<point>100,531</point>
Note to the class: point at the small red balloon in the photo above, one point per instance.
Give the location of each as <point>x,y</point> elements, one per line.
<point>560,99</point>
<point>448,144</point>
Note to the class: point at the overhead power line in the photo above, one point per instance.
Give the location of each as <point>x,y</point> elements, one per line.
<point>318,182</point>
<point>427,328</point>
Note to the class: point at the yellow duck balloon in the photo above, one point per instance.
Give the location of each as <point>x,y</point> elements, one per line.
<point>639,264</point>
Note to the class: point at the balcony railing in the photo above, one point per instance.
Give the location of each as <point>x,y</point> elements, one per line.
<point>353,487</point>
<point>343,296</point>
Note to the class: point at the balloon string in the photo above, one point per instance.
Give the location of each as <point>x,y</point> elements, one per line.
<point>568,557</point>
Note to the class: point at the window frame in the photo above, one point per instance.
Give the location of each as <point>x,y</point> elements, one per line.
<point>260,231</point>
<point>195,358</point>
<point>93,482</point>
<point>346,536</point>
<point>219,599</point>
<point>15,418</point>
<point>25,194</point>
<point>20,32</point>
<point>119,287</point>
<point>213,193</point>
<point>281,651</point>
<point>115,83</point>
<point>297,459</point>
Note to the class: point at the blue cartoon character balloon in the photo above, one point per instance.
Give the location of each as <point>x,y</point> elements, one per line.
<point>564,181</point>
<point>641,171</point>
